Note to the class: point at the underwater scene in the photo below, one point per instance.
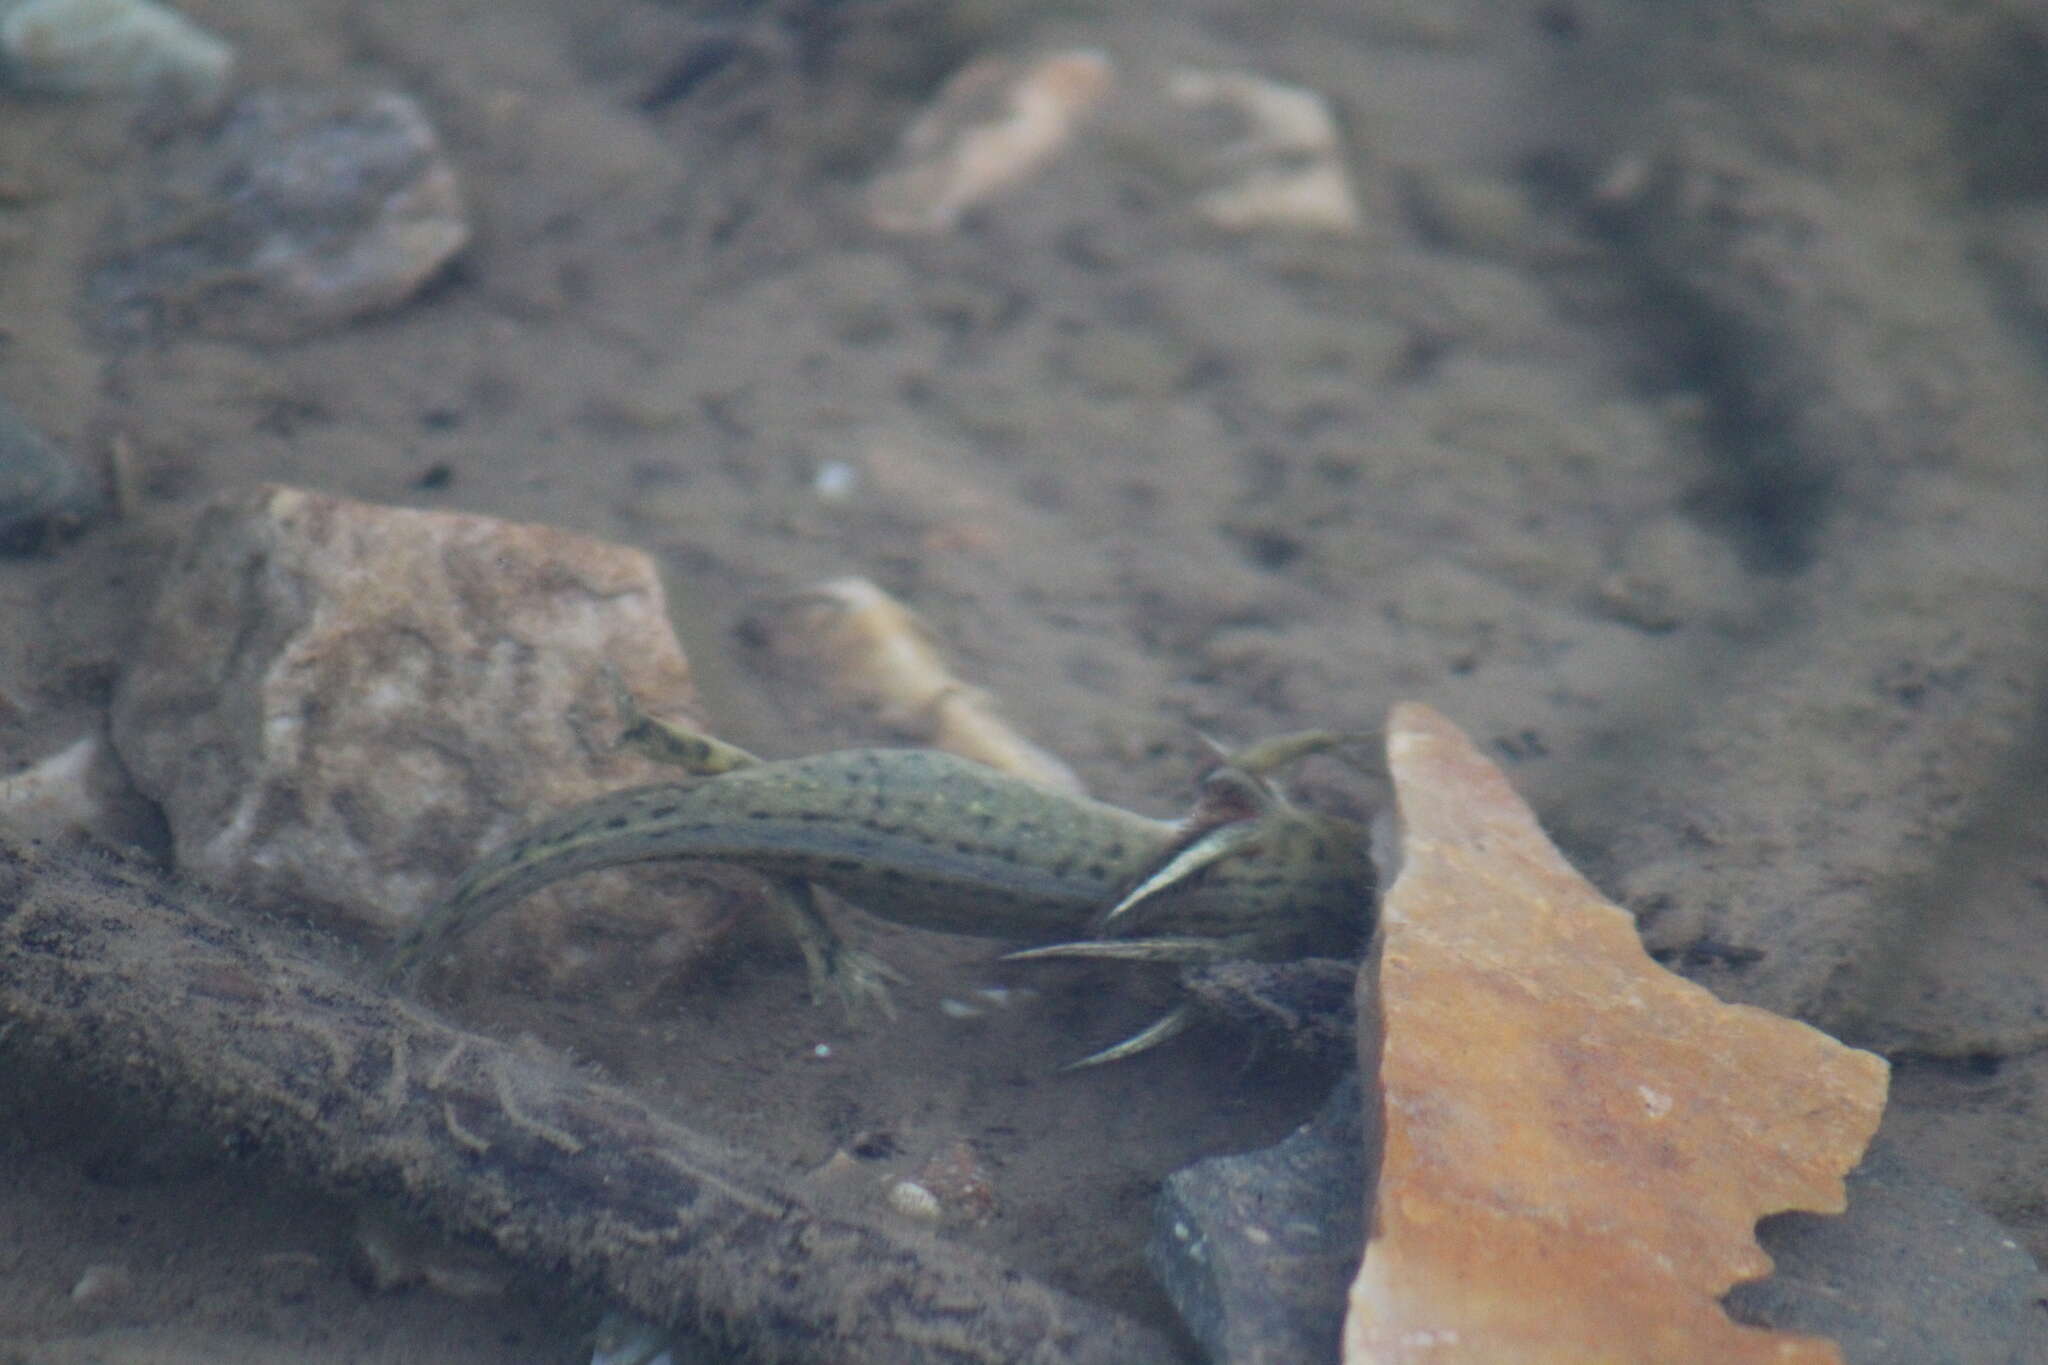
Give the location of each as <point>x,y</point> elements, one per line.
<point>897,681</point>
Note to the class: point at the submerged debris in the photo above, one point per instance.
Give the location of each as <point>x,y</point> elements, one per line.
<point>873,652</point>
<point>1287,169</point>
<point>126,985</point>
<point>1305,1004</point>
<point>994,125</point>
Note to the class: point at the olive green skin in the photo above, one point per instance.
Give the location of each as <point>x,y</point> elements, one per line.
<point>933,841</point>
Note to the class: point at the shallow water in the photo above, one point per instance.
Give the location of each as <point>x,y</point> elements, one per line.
<point>1148,480</point>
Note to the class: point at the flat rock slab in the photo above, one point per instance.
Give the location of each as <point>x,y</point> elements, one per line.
<point>1911,1272</point>
<point>1577,1143</point>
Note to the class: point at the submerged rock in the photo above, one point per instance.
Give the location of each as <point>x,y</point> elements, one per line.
<point>304,211</point>
<point>340,705</point>
<point>107,47</point>
<point>1548,1180</point>
<point>1911,1273</point>
<point>1255,1250</point>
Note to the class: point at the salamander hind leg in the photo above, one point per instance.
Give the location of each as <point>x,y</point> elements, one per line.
<point>859,979</point>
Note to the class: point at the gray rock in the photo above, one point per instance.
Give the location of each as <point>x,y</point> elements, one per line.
<point>1257,1252</point>
<point>303,212</point>
<point>1912,1274</point>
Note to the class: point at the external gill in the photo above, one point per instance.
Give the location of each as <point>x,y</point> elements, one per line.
<point>1237,814</point>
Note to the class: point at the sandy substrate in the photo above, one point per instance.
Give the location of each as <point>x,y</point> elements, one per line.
<point>1705,493</point>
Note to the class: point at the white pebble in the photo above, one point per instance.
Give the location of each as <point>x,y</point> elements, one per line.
<point>1002,997</point>
<point>913,1200</point>
<point>835,481</point>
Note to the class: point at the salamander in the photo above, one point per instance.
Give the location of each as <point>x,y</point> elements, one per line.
<point>934,841</point>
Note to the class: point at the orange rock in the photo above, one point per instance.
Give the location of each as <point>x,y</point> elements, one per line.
<point>1577,1143</point>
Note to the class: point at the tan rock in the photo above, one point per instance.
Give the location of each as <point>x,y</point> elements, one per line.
<point>1577,1143</point>
<point>340,705</point>
<point>994,125</point>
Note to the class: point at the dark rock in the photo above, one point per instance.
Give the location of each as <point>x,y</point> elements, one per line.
<point>43,492</point>
<point>1912,1274</point>
<point>1257,1251</point>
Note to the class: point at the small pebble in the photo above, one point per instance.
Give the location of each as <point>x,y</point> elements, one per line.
<point>913,1200</point>
<point>835,481</point>
<point>56,797</point>
<point>1002,997</point>
<point>960,1182</point>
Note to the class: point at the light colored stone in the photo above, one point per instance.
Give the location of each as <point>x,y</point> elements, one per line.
<point>1287,169</point>
<point>995,124</point>
<point>913,1200</point>
<point>56,797</point>
<point>104,47</point>
<point>1577,1144</point>
<point>340,705</point>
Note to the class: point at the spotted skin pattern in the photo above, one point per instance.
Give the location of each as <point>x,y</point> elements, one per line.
<point>930,840</point>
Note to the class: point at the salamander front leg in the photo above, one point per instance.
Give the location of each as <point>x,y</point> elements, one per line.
<point>666,742</point>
